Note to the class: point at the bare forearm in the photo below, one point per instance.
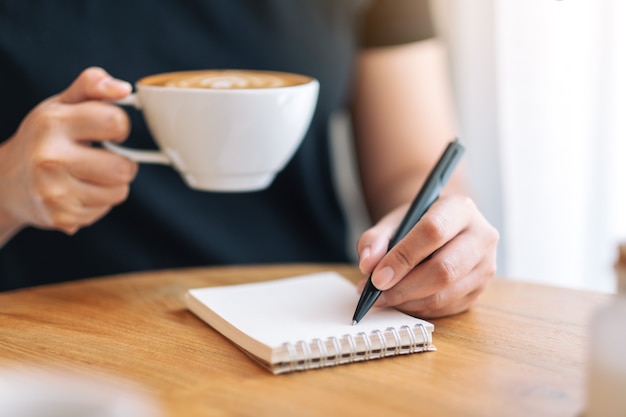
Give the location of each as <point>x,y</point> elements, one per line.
<point>9,225</point>
<point>403,119</point>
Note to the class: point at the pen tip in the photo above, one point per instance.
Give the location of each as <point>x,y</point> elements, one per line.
<point>354,322</point>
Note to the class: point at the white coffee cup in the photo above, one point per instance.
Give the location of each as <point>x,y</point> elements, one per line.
<point>29,391</point>
<point>223,130</point>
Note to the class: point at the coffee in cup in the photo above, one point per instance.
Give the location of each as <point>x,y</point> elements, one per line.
<point>227,79</point>
<point>223,130</point>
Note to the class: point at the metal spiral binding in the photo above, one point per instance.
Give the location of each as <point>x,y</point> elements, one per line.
<point>426,344</point>
<point>345,349</point>
<point>413,344</point>
<point>337,346</point>
<point>352,345</point>
<point>382,341</point>
<point>396,338</point>
<point>307,354</point>
<point>321,347</point>
<point>368,344</point>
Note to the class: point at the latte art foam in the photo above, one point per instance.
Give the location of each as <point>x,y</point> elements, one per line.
<point>227,79</point>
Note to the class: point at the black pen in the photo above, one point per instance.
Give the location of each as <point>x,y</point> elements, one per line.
<point>425,198</point>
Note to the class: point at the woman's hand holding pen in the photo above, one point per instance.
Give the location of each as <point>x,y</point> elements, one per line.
<point>440,267</point>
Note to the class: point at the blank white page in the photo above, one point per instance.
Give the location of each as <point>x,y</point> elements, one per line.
<point>306,307</point>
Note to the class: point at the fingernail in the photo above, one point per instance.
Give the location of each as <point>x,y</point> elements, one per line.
<point>110,84</point>
<point>383,278</point>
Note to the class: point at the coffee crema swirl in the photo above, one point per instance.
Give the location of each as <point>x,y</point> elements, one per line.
<point>227,79</point>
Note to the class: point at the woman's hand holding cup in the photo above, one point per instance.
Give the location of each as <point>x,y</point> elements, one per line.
<point>50,175</point>
<point>222,130</point>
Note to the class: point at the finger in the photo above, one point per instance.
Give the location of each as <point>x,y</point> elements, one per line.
<point>95,120</point>
<point>445,219</point>
<point>457,259</point>
<point>77,204</point>
<point>95,83</point>
<point>93,196</point>
<point>70,221</point>
<point>101,167</point>
<point>452,300</point>
<point>373,243</point>
<point>454,292</point>
<point>81,163</point>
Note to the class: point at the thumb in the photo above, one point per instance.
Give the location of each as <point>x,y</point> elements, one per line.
<point>95,83</point>
<point>374,242</point>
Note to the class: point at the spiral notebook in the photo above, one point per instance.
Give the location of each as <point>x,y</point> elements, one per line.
<point>305,322</point>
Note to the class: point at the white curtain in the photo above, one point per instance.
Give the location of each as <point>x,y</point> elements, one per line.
<point>541,94</point>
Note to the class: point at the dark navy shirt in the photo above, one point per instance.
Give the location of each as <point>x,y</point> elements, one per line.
<point>44,45</point>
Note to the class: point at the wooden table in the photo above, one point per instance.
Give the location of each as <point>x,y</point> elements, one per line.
<point>519,352</point>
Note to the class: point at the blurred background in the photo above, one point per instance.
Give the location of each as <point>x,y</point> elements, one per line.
<point>540,89</point>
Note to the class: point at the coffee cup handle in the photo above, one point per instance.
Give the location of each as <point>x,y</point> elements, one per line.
<point>137,155</point>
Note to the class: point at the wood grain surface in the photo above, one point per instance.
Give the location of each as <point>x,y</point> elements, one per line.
<point>519,352</point>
